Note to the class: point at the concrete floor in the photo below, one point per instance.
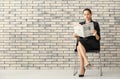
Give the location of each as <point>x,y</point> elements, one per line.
<point>56,74</point>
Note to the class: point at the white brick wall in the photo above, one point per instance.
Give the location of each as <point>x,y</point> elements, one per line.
<point>37,34</point>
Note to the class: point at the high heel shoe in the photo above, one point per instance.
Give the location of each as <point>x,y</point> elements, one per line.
<point>83,74</point>
<point>88,66</point>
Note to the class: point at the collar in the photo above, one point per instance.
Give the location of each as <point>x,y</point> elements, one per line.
<point>90,21</point>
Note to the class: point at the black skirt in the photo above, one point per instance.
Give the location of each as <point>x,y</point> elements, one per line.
<point>89,43</point>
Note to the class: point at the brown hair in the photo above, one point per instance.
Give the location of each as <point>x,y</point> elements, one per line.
<point>87,9</point>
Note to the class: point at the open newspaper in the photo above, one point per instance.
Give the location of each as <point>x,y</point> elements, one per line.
<point>84,30</point>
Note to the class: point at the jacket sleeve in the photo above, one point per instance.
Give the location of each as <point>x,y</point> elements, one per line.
<point>97,28</point>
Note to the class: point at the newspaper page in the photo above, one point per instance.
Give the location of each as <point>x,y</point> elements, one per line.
<point>78,29</point>
<point>84,30</point>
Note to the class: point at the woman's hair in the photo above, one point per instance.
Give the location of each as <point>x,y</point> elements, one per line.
<point>87,9</point>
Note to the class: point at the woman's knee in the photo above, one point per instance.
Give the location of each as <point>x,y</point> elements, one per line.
<point>77,47</point>
<point>79,43</point>
<point>81,46</point>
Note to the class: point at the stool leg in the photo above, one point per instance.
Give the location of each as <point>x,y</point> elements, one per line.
<point>75,67</point>
<point>100,64</point>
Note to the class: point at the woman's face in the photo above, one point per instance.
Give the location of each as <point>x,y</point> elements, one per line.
<point>87,15</point>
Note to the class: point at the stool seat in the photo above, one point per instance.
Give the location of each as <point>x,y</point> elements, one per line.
<point>93,51</point>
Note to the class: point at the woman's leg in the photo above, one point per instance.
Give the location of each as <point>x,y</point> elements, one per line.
<point>81,62</point>
<point>83,52</point>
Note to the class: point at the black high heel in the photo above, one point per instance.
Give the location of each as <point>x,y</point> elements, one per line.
<point>83,74</point>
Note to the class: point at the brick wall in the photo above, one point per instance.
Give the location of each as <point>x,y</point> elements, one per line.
<point>37,34</point>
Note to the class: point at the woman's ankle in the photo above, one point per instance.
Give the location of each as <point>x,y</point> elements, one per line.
<point>82,71</point>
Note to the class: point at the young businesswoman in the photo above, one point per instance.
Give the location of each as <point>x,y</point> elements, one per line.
<point>85,44</point>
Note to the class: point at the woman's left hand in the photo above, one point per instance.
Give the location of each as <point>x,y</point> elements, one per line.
<point>94,32</point>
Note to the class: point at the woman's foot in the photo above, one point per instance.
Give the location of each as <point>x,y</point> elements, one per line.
<point>82,75</point>
<point>88,66</point>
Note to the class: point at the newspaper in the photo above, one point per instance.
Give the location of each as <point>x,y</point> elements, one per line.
<point>84,30</point>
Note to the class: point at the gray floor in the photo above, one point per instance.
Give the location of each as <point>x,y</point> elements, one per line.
<point>56,74</point>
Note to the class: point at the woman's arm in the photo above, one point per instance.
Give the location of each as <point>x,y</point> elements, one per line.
<point>96,35</point>
<point>96,31</point>
<point>76,36</point>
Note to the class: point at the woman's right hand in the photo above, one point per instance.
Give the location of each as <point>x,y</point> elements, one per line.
<point>76,36</point>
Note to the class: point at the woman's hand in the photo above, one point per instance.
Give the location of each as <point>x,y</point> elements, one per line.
<point>75,36</point>
<point>94,32</point>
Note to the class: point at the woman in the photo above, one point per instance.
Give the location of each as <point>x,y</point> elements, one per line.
<point>85,44</point>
